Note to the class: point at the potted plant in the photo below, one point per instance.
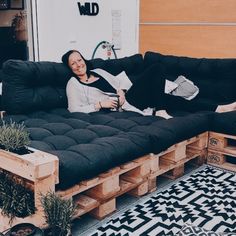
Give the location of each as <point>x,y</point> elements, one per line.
<point>23,229</point>
<point>16,200</point>
<point>19,26</point>
<point>58,213</point>
<point>14,138</point>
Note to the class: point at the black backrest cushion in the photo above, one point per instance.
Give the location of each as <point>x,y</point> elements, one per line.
<point>1,75</point>
<point>215,77</point>
<point>29,86</point>
<point>132,65</point>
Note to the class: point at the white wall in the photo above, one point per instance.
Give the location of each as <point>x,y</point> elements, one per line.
<point>61,27</point>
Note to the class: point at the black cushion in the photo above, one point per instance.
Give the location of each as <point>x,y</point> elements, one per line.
<point>214,77</point>
<point>88,144</point>
<point>132,65</point>
<point>224,123</point>
<point>31,86</point>
<point>164,133</point>
<point>1,75</point>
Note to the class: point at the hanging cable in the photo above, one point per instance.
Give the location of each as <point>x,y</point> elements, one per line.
<point>105,45</point>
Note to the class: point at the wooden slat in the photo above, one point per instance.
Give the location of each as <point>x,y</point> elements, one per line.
<point>33,166</point>
<point>221,142</point>
<point>104,209</point>
<point>187,10</point>
<point>85,202</point>
<point>192,41</point>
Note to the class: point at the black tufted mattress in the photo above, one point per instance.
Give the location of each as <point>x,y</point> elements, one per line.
<point>88,144</point>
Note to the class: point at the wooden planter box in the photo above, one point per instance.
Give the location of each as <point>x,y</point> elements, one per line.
<point>40,170</point>
<point>98,195</point>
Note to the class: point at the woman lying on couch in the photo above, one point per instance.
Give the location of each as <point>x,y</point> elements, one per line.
<point>91,90</point>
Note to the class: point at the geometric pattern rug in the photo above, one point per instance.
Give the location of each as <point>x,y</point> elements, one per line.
<point>206,198</point>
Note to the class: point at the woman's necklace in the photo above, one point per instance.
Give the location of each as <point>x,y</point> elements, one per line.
<point>86,93</point>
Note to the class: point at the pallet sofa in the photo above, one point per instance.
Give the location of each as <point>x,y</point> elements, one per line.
<point>94,158</point>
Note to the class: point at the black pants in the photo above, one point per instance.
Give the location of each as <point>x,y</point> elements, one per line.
<point>148,91</point>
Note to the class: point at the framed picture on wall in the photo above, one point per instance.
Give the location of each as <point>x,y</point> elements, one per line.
<point>4,4</point>
<point>17,4</point>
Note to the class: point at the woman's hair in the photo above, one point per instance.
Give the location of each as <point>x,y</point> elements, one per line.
<point>65,60</point>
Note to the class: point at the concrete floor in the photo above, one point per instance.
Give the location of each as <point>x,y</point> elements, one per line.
<point>82,226</point>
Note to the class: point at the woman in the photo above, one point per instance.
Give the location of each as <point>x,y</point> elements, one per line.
<point>92,90</point>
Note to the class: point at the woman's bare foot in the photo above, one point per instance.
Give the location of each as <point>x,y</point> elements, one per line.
<point>226,108</point>
<point>164,114</point>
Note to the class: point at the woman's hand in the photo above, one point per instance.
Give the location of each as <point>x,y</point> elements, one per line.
<point>121,94</point>
<point>109,103</point>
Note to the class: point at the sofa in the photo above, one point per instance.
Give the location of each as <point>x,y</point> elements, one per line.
<point>34,93</point>
<point>88,145</point>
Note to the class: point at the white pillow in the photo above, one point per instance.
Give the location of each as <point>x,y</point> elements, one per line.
<point>170,86</point>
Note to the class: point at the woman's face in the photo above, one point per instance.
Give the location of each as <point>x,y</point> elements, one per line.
<point>77,64</point>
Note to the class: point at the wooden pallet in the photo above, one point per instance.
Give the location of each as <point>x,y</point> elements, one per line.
<point>170,162</point>
<point>98,195</point>
<point>222,150</point>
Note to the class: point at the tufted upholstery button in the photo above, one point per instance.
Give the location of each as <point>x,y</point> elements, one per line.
<point>41,145</point>
<point>57,128</point>
<point>38,133</point>
<point>82,135</point>
<point>122,124</point>
<point>59,142</point>
<point>103,131</point>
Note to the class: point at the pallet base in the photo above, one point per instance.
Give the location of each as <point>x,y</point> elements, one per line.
<point>222,151</point>
<point>97,196</point>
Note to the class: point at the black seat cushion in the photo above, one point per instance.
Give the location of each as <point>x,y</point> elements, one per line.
<point>1,75</point>
<point>165,133</point>
<point>88,144</point>
<point>224,123</point>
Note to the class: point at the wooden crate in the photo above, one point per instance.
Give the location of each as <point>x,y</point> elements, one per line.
<point>222,150</point>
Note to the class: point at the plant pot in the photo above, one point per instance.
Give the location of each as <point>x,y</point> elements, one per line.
<point>21,35</point>
<point>23,229</point>
<point>55,232</point>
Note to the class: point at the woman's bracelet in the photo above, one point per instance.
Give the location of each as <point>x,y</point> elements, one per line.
<point>100,104</point>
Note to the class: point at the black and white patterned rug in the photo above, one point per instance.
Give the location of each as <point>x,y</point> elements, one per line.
<point>206,198</point>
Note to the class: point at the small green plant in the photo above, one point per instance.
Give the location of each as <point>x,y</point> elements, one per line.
<point>58,213</point>
<point>15,199</point>
<point>19,26</point>
<point>13,136</point>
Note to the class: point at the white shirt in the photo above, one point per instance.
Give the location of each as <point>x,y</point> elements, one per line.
<point>82,98</point>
